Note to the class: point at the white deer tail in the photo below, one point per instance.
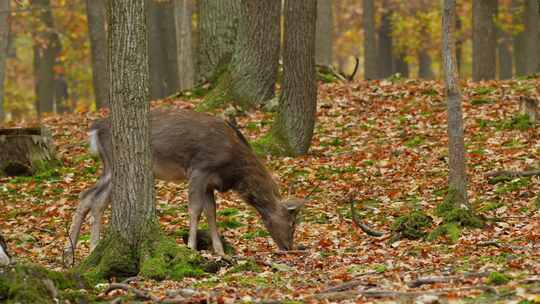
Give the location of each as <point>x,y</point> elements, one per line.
<point>93,139</point>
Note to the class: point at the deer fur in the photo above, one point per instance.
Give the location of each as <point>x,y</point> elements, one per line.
<point>212,155</point>
<point>5,258</point>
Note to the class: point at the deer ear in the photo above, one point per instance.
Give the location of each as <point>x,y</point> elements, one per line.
<point>294,206</point>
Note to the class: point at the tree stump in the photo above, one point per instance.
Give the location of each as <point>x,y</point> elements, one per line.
<point>25,150</point>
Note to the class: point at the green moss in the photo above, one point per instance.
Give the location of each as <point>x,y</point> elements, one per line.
<point>167,260</point>
<point>34,284</point>
<point>452,212</point>
<point>247,265</point>
<point>497,278</point>
<point>412,225</point>
<point>270,144</point>
<point>451,230</point>
<point>219,96</point>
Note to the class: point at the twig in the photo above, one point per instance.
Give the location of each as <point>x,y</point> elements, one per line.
<point>335,296</point>
<point>513,173</point>
<point>139,293</point>
<point>350,284</point>
<point>130,279</point>
<point>445,279</point>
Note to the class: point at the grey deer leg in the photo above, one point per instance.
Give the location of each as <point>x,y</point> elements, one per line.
<point>197,188</point>
<point>102,201</point>
<point>95,198</point>
<point>210,211</point>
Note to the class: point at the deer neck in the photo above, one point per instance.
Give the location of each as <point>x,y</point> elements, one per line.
<point>261,192</point>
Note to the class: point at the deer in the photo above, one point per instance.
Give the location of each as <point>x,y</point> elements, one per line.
<point>5,258</point>
<point>211,154</point>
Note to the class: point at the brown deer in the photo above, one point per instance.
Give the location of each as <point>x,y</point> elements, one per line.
<point>210,154</point>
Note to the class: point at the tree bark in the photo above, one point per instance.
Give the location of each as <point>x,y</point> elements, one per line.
<point>133,221</point>
<point>298,103</point>
<point>255,62</point>
<point>484,39</point>
<point>459,45</point>
<point>46,50</point>
<point>157,55</point>
<point>401,66</point>
<point>531,34</point>
<point>370,41</point>
<point>184,45</point>
<point>96,14</point>
<point>4,42</point>
<point>168,31</point>
<point>424,65</point>
<point>385,47</point>
<point>323,38</point>
<point>505,55</point>
<point>217,35</point>
<point>456,145</point>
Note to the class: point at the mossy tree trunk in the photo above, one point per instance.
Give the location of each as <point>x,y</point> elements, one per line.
<point>250,78</point>
<point>217,35</point>
<point>456,145</point>
<point>133,222</point>
<point>295,121</point>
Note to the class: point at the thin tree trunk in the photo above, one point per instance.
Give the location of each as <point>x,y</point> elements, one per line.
<point>456,145</point>
<point>183,23</point>
<point>323,38</point>
<point>531,20</point>
<point>519,45</point>
<point>4,42</point>
<point>370,41</point>
<point>505,55</point>
<point>217,35</point>
<point>424,66</point>
<point>401,66</point>
<point>385,42</point>
<point>46,50</point>
<point>169,36</point>
<point>255,62</point>
<point>298,102</point>
<point>459,45</point>
<point>96,14</point>
<point>484,39</point>
<point>157,55</point>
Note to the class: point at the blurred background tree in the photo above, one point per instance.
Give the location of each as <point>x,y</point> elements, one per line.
<point>50,61</point>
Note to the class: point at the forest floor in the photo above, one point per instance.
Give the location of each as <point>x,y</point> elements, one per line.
<point>383,141</point>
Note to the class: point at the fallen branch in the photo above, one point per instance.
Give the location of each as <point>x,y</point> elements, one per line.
<point>445,279</point>
<point>350,284</point>
<point>350,294</point>
<point>361,225</point>
<point>512,174</point>
<point>137,292</point>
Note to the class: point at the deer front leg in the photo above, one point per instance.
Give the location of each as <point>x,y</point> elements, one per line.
<point>210,211</point>
<point>102,201</point>
<point>87,199</point>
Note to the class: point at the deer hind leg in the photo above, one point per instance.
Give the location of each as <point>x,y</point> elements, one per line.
<point>196,202</point>
<point>210,211</point>
<point>102,201</point>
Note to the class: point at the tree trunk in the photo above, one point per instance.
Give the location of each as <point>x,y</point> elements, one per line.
<point>133,221</point>
<point>96,14</point>
<point>424,66</point>
<point>255,61</point>
<point>484,39</point>
<point>323,38</point>
<point>459,45</point>
<point>184,47</point>
<point>4,42</point>
<point>505,55</point>
<point>298,103</point>
<point>46,49</point>
<point>385,42</point>
<point>157,51</point>
<point>169,35</point>
<point>401,66</point>
<point>217,35</point>
<point>370,41</point>
<point>531,20</point>
<point>456,145</point>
